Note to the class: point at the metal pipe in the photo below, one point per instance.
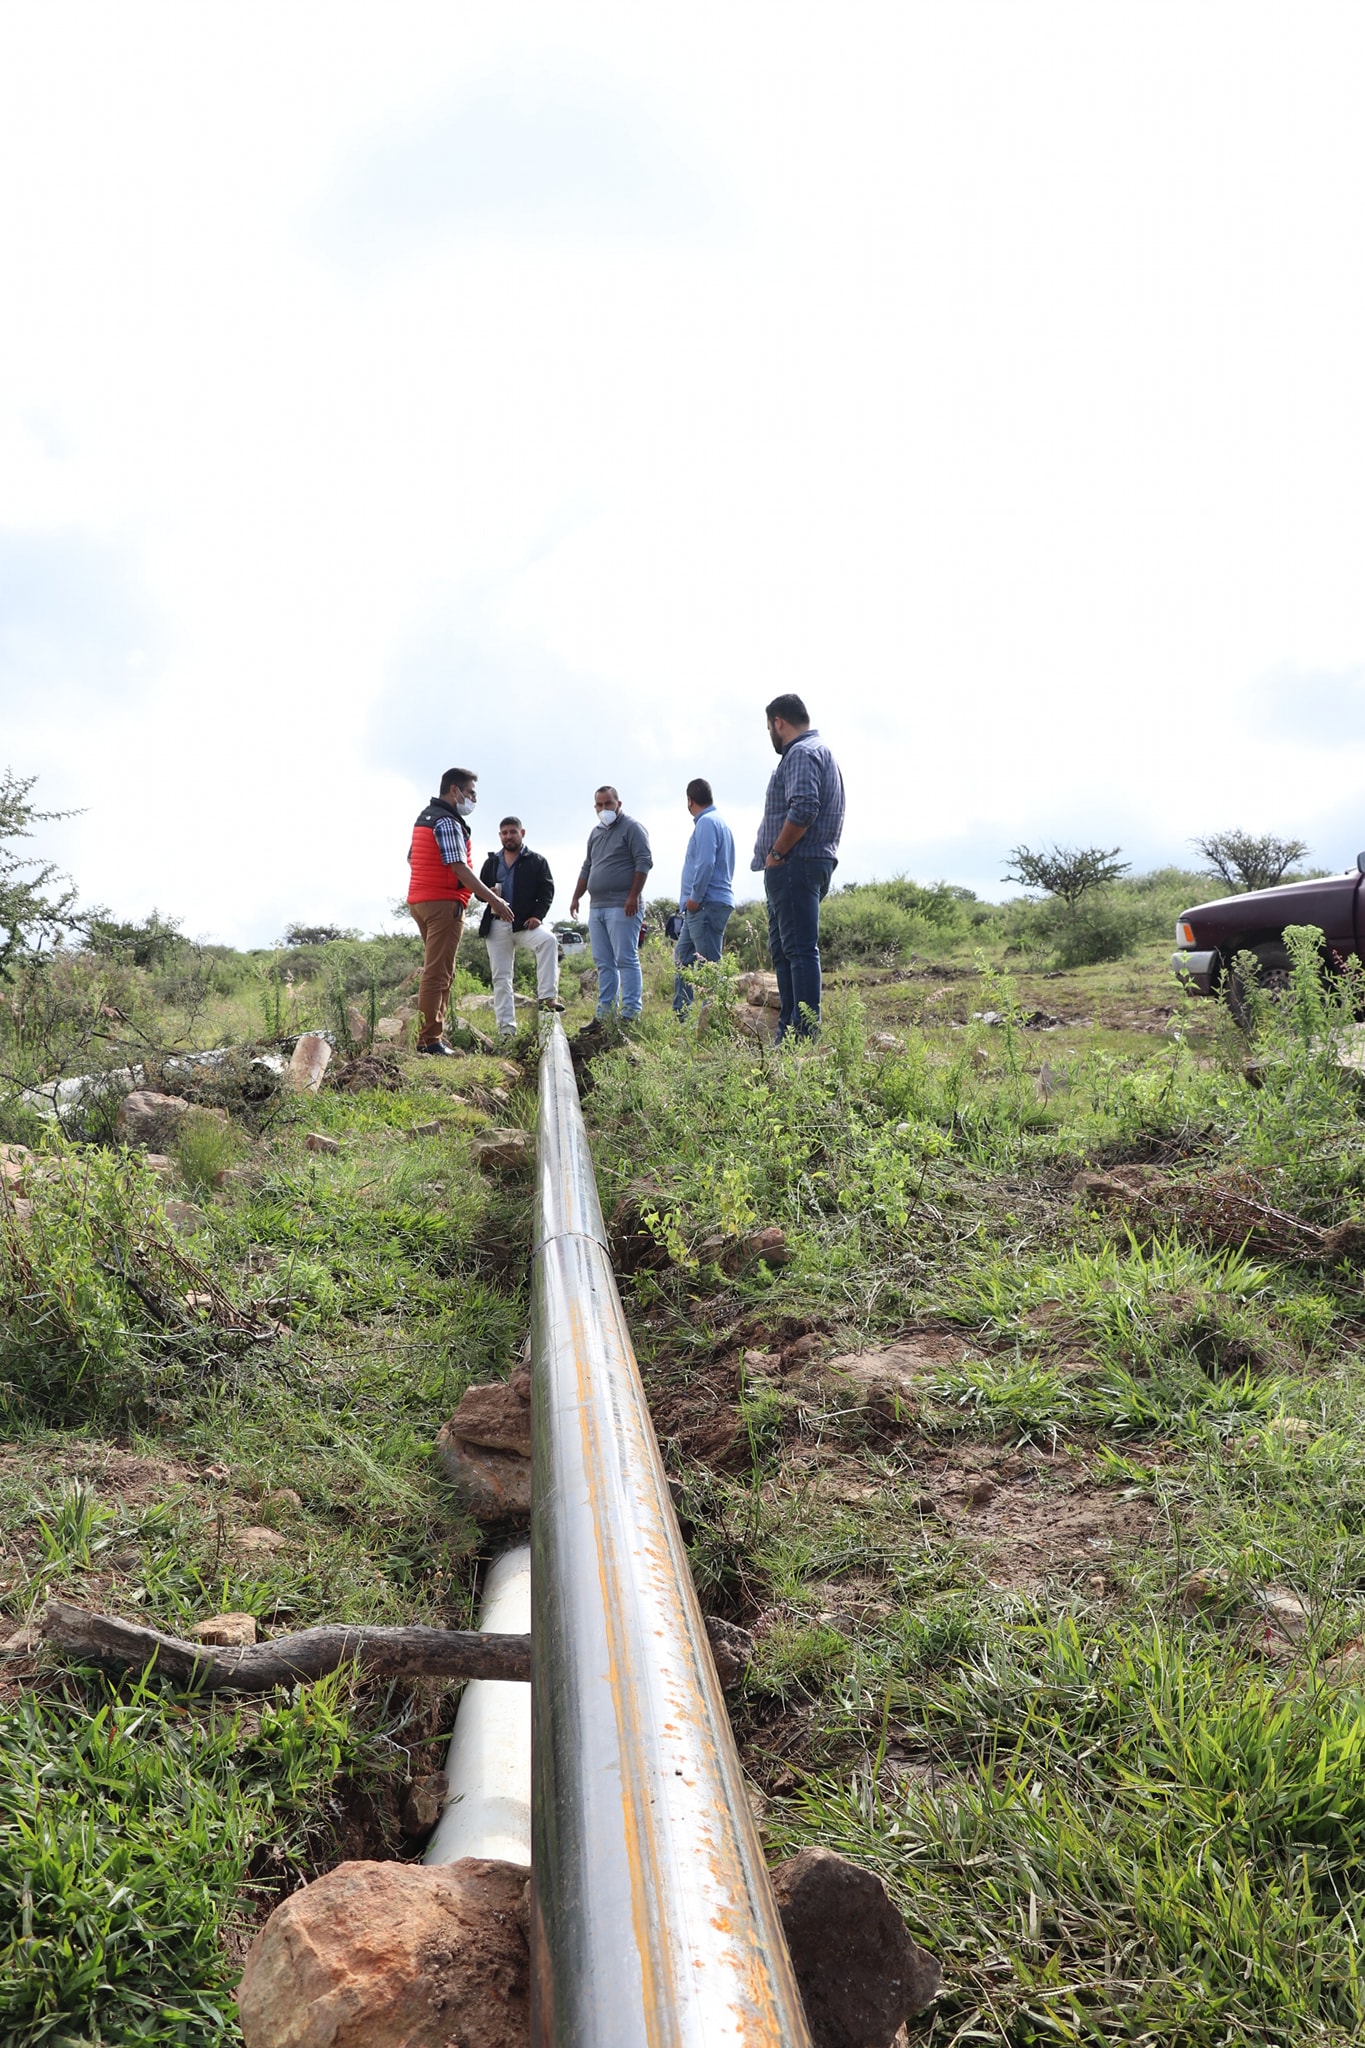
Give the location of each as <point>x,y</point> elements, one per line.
<point>654,1924</point>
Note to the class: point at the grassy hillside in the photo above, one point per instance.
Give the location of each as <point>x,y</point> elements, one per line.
<point>1035,1469</point>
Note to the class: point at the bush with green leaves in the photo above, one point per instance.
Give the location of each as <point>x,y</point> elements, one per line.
<point>95,1319</point>
<point>147,942</point>
<point>1111,924</point>
<point>37,903</point>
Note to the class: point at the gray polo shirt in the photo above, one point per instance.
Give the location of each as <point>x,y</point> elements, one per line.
<point>616,854</point>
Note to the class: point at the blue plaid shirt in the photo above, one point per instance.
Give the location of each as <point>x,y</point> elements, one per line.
<point>807,788</point>
<point>452,840</point>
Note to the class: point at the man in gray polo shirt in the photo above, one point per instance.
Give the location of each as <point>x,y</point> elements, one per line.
<point>615,866</point>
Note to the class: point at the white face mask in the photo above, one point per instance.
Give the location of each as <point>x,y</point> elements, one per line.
<point>606,817</point>
<point>466,807</point>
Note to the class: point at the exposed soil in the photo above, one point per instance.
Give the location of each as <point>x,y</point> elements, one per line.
<point>892,1369</point>
<point>134,1477</point>
<point>366,1070</point>
<point>1034,1516</point>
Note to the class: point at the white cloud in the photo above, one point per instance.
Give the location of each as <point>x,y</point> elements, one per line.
<point>548,386</point>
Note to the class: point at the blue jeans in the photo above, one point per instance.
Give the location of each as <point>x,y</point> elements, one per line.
<point>795,892</point>
<point>616,956</point>
<point>703,935</point>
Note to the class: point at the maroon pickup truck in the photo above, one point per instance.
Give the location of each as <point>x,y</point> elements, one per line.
<point>1212,934</point>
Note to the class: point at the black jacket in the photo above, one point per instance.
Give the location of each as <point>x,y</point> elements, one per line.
<point>533,888</point>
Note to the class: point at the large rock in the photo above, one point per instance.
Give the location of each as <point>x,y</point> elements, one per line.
<point>393,1955</point>
<point>495,1486</point>
<point>860,1973</point>
<point>308,1063</point>
<point>504,1152</point>
<point>733,1254</point>
<point>147,1118</point>
<point>761,989</point>
<point>497,1416</point>
<point>757,1023</point>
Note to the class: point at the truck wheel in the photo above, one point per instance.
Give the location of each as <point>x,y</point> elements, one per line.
<point>1272,980</point>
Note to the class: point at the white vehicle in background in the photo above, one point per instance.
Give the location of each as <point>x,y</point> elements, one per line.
<point>573,938</point>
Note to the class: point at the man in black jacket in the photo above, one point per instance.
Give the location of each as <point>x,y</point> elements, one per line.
<point>523,879</point>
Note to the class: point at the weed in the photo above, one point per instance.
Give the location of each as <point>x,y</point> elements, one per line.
<point>204,1147</point>
<point>76,1528</point>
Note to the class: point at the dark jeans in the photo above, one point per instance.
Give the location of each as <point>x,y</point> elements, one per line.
<point>795,892</point>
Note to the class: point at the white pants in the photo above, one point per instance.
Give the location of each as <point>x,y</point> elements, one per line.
<point>502,944</point>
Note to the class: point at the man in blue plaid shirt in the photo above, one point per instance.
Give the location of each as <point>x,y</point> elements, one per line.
<point>797,850</point>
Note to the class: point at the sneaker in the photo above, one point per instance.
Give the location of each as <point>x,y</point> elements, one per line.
<point>438,1049</point>
<point>551,1003</point>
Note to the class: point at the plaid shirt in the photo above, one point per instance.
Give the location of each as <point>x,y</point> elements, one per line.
<point>807,789</point>
<point>452,840</point>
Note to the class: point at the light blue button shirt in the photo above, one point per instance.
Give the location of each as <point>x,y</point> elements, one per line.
<point>708,874</point>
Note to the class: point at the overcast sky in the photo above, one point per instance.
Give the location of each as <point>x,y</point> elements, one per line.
<point>541,389</point>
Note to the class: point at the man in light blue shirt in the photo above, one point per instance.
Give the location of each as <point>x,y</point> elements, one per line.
<point>707,896</point>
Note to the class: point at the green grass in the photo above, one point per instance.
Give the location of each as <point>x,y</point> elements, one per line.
<point>1119,1809</point>
<point>135,1828</point>
<point>283,1367</point>
<point>1119,1812</point>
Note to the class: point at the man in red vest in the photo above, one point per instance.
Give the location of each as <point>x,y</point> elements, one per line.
<point>440,885</point>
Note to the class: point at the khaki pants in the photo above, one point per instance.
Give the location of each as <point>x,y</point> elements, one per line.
<point>440,925</point>
<point>502,943</point>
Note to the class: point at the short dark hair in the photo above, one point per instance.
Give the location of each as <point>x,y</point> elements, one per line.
<point>790,707</point>
<point>464,776</point>
<point>511,821</point>
<point>699,791</point>
<point>607,789</point>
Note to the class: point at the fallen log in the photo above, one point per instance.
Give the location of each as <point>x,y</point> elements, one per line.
<point>311,1653</point>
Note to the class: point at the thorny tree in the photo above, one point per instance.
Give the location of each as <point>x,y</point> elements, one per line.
<point>36,900</point>
<point>1068,872</point>
<point>1249,860</point>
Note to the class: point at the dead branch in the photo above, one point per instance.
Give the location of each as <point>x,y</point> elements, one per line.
<point>1225,1209</point>
<point>380,1652</point>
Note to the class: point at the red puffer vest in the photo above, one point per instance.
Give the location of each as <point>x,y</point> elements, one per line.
<point>431,881</point>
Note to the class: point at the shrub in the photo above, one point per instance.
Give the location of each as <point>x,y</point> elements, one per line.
<point>883,922</point>
<point>1106,926</point>
<point>204,1146</point>
<point>865,926</point>
<point>317,934</point>
<point>94,1319</point>
<point>147,944</point>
